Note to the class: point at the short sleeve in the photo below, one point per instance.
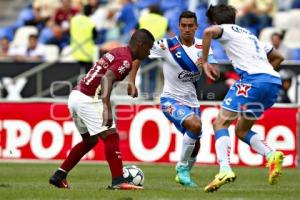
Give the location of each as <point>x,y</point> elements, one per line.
<point>120,68</point>
<point>159,48</point>
<point>225,35</point>
<point>266,47</point>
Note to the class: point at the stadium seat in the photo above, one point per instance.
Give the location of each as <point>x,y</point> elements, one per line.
<point>166,4</point>
<point>292,39</point>
<point>7,32</point>
<point>66,55</point>
<point>266,33</point>
<point>52,53</point>
<point>172,15</point>
<point>142,4</point>
<point>22,34</point>
<point>282,20</point>
<point>202,21</point>
<point>295,54</point>
<point>295,17</point>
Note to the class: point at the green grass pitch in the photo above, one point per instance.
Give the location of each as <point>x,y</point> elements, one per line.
<point>88,181</point>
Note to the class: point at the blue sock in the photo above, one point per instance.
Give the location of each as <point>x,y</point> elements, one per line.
<point>248,137</point>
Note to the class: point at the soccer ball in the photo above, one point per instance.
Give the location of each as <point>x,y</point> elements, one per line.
<point>134,174</point>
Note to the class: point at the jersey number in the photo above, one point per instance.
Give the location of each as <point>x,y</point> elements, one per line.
<point>91,75</point>
<point>255,43</point>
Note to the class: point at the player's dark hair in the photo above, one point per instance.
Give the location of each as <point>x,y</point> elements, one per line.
<point>278,35</point>
<point>188,14</point>
<point>221,14</point>
<point>141,35</point>
<point>4,38</point>
<point>35,36</point>
<point>155,9</point>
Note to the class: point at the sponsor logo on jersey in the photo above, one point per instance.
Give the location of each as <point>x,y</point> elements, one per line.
<point>199,54</point>
<point>178,54</point>
<point>180,113</point>
<point>243,89</point>
<point>241,30</point>
<point>162,46</point>
<point>187,76</point>
<point>121,69</point>
<point>170,109</point>
<point>198,46</point>
<point>228,101</point>
<point>126,64</point>
<point>109,56</point>
<point>102,63</point>
<point>175,47</point>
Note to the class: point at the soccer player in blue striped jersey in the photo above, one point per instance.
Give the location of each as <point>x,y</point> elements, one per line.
<point>182,68</point>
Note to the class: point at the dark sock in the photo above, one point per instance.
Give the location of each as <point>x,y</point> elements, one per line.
<point>77,152</point>
<point>196,149</point>
<point>113,156</point>
<point>59,174</point>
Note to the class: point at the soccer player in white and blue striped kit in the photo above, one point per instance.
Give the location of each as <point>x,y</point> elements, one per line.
<point>249,97</point>
<point>182,68</point>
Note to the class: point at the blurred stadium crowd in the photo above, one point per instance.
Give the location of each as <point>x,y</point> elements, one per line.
<point>48,23</point>
<point>81,30</point>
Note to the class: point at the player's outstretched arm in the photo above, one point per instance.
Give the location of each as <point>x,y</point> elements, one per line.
<point>208,34</point>
<point>107,82</point>
<point>275,59</point>
<point>131,88</point>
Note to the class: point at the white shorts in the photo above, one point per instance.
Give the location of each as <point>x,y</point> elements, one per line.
<point>87,113</point>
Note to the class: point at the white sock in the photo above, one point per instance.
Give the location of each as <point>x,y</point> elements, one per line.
<point>223,147</point>
<point>258,144</point>
<point>188,145</point>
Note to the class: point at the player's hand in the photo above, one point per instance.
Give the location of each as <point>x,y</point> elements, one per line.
<point>199,63</point>
<point>107,117</point>
<point>132,90</point>
<point>211,71</point>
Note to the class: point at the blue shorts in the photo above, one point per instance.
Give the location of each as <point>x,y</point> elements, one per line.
<point>177,112</point>
<point>251,98</point>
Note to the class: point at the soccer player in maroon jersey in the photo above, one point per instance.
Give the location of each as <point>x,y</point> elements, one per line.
<point>90,107</point>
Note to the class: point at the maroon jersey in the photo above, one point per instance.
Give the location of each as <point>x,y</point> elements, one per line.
<point>62,15</point>
<point>119,61</point>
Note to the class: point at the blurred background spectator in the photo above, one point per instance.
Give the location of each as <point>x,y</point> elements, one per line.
<point>116,19</point>
<point>273,21</point>
<point>286,76</point>
<point>254,14</point>
<point>276,40</point>
<point>4,48</point>
<point>127,19</point>
<point>284,5</point>
<point>32,52</point>
<point>157,24</point>
<point>64,14</point>
<point>83,35</point>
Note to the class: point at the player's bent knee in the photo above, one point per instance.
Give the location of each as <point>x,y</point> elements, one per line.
<point>196,129</point>
<point>194,125</point>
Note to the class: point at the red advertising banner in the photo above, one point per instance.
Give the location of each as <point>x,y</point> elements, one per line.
<point>45,131</point>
